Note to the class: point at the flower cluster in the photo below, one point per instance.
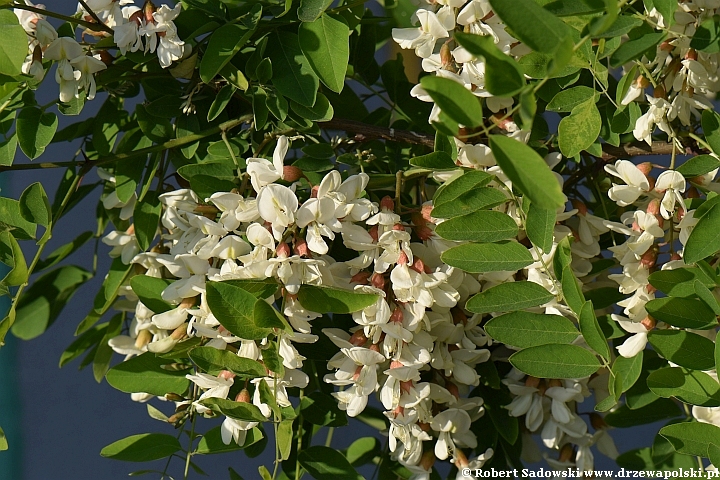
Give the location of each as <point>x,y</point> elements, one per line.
<point>683,78</point>
<point>151,30</point>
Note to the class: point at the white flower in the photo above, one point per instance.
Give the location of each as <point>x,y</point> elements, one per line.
<point>672,184</point>
<point>88,66</point>
<point>645,125</point>
<point>636,183</point>
<point>262,172</point>
<point>423,38</point>
<point>277,204</point>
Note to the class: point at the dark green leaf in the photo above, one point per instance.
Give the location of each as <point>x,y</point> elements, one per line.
<point>454,100</point>
<point>555,361</point>
<point>146,374</point>
<point>142,448</point>
<point>480,226</point>
<point>325,44</point>
<point>333,300</point>
<point>509,296</point>
<point>294,78</point>
<point>488,257</point>
<point>525,329</point>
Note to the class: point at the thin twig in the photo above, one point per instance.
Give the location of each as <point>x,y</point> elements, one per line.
<point>94,15</point>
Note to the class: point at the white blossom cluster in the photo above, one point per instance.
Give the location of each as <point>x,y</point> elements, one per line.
<point>683,79</point>
<point>416,328</point>
<point>548,406</point>
<point>150,30</point>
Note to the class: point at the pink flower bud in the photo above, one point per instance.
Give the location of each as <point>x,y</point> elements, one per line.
<point>387,203</point>
<point>226,375</point>
<point>378,281</point>
<point>243,396</point>
<point>358,338</point>
<point>301,248</point>
<point>292,174</point>
<point>360,277</point>
<point>283,250</point>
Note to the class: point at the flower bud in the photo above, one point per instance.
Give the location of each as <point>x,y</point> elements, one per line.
<point>533,382</point>
<point>453,389</point>
<point>645,168</point>
<point>659,92</point>
<point>314,191</point>
<point>428,459</point>
<point>418,265</point>
<point>301,248</point>
<point>649,323</point>
<point>292,174</point>
<point>597,421</point>
<point>374,347</point>
<point>143,338</point>
<point>396,364</point>
<point>174,397</point>
<point>426,212</point>
<point>226,375</point>
<point>580,206</point>
<point>458,316</point>
<point>397,315</point>
<point>423,232</point>
<point>675,256</point>
<point>358,339</point>
<point>567,453</point>
<point>374,233</point>
<point>137,17</point>
<point>649,258</point>
<point>283,250</point>
<point>377,280</point>
<point>403,258</point>
<point>180,332</point>
<point>243,396</point>
<point>691,54</point>
<point>148,10</point>
<point>360,277</point>
<point>666,46</point>
<point>653,207</point>
<point>554,383</point>
<point>446,58</point>
<point>461,460</point>
<point>398,227</point>
<point>642,82</point>
<point>387,203</point>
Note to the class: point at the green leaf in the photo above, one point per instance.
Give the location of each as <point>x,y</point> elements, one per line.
<point>707,36</point>
<point>564,8</point>
<point>591,331</point>
<point>540,226</point>
<point>236,410</point>
<point>206,185</point>
<point>629,369</point>
<point>711,129</point>
<point>11,255</point>
<point>635,48</point>
<point>142,448</point>
<point>225,43</point>
<point>42,303</point>
<point>266,316</point>
<point>259,288</point>
<point>145,373</point>
<point>35,128</point>
<point>35,206</point>
<point>466,182</point>
<point>694,387</point>
<point>325,463</point>
<point>509,296</point>
<point>13,44</point>
<point>293,76</point>
<point>680,282</point>
<point>146,218</point>
<point>213,361</point>
<point>488,257</point>
<point>220,101</point>
<point>555,361</point>
<point>438,160</point>
<point>454,100</point>
<point>682,312</point>
<point>623,417</point>
<point>108,292</point>
<point>149,291</point>
<point>699,165</point>
<point>322,111</point>
<point>321,409</point>
<point>81,344</point>
<point>480,226</point>
<point>234,307</point>
<point>528,171</point>
<point>310,10</point>
<point>525,329</point>
<point>469,201</point>
<point>8,148</point>
<point>333,300</point>
<point>532,24</point>
<point>566,100</point>
<point>580,129</point>
<point>622,25</point>
<point>704,240</point>
<point>11,215</point>
<point>502,75</point>
<point>363,450</point>
<point>325,44</point>
<point>692,438</point>
<point>685,349</point>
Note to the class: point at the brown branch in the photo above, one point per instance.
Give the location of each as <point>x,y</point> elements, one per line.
<point>635,149</point>
<point>365,132</point>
